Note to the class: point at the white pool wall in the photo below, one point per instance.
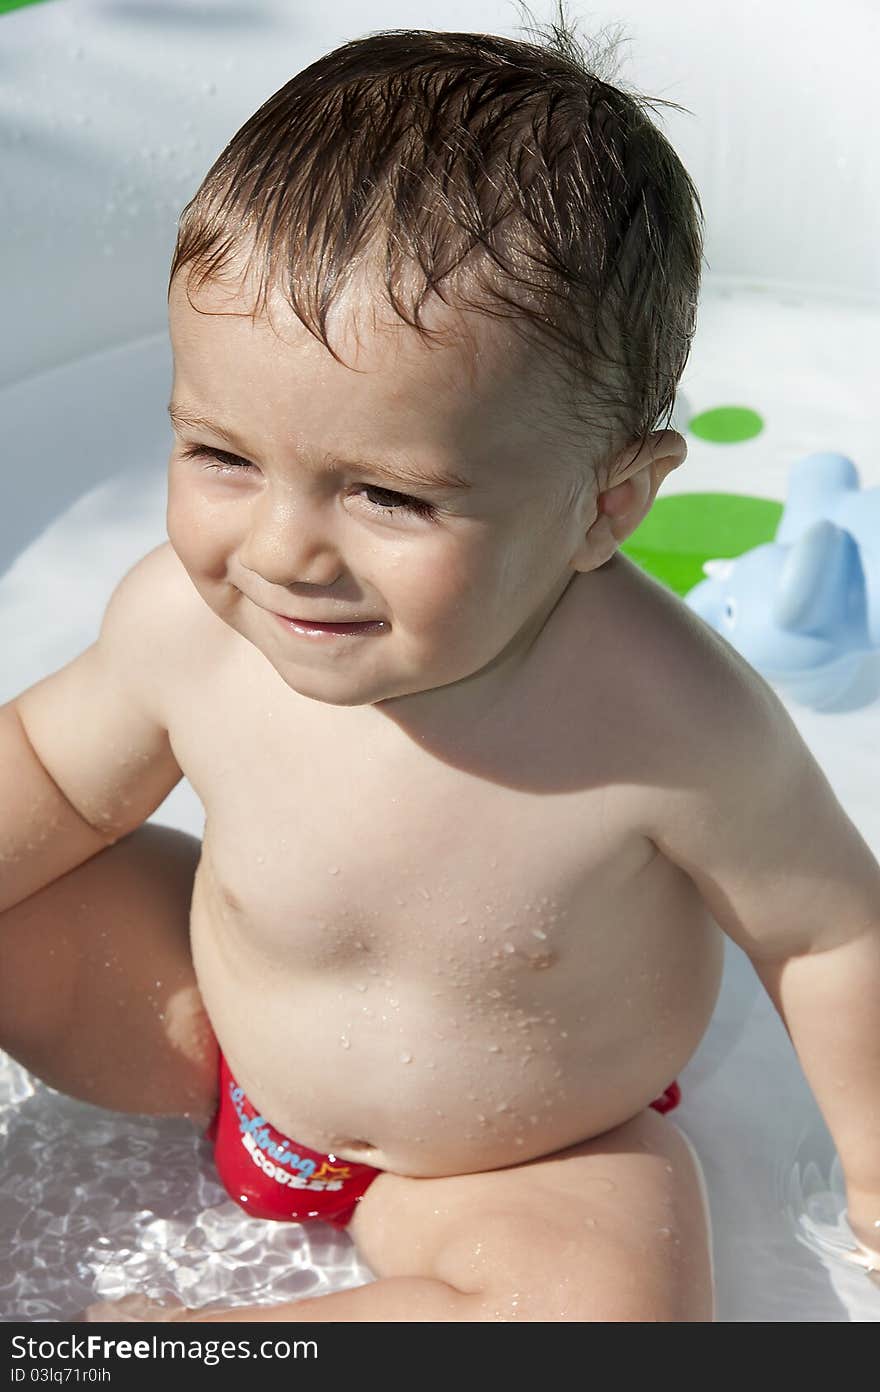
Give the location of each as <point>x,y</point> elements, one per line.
<point>111,112</point>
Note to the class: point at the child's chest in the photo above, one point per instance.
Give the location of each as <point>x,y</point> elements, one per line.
<point>340,844</point>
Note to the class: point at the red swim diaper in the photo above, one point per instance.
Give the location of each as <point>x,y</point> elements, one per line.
<point>668,1100</point>
<point>271,1176</point>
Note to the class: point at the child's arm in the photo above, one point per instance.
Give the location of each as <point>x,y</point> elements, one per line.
<point>98,995</point>
<point>756,825</point>
<point>88,757</point>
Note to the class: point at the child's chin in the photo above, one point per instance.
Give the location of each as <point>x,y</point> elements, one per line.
<point>332,689</point>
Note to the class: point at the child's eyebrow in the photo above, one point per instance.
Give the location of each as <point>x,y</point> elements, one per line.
<point>412,477</point>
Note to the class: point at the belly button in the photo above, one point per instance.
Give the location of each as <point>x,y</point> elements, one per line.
<point>359,1145</point>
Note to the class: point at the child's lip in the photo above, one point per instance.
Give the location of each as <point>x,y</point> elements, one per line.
<point>325,625</point>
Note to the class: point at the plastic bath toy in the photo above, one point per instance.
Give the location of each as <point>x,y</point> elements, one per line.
<point>804,609</point>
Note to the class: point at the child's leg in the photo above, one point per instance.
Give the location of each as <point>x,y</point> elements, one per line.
<point>613,1230</point>
<point>97,991</point>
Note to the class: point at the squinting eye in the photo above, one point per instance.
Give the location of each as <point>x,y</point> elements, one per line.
<point>228,462</point>
<point>389,501</point>
<point>401,502</point>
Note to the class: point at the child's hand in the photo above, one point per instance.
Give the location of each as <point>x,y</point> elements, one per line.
<point>863,1216</point>
<point>869,1262</point>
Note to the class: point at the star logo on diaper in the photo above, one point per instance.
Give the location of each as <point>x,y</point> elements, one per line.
<point>328,1171</point>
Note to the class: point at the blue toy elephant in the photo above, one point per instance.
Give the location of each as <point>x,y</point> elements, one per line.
<point>804,609</point>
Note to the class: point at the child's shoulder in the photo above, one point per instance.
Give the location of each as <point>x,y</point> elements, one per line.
<point>695,712</point>
<point>157,619</point>
<point>158,592</point>
<point>681,673</point>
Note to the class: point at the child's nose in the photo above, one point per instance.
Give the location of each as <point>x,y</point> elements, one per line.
<point>289,543</point>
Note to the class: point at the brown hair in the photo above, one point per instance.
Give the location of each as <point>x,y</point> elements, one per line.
<point>505,176</point>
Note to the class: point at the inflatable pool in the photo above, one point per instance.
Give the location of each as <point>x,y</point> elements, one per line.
<point>112,112</point>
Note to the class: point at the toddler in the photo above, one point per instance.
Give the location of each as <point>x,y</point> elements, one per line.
<point>481,798</point>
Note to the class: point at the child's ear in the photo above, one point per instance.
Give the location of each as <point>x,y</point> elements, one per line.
<point>627,498</point>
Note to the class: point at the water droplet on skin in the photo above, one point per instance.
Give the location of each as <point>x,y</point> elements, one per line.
<point>425,893</point>
<point>406,1058</point>
<point>464,919</point>
<point>493,863</point>
<point>589,1222</point>
<point>494,994</point>
<point>494,1048</point>
<point>345,1041</point>
<point>538,933</point>
<point>361,986</point>
<point>502,1107</point>
<point>261,859</point>
<point>664,1232</point>
<point>334,870</point>
<point>541,960</point>
<point>509,948</point>
<point>481,937</point>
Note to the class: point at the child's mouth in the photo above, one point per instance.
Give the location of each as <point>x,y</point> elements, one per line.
<point>309,628</point>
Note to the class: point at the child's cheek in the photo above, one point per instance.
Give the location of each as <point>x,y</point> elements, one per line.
<point>200,540</point>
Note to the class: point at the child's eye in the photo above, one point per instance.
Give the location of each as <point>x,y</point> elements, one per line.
<point>388,500</point>
<point>398,502</point>
<point>229,463</point>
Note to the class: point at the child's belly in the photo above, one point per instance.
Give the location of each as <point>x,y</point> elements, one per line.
<point>430,1033</point>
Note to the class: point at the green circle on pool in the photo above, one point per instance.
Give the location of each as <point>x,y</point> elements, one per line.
<point>726,425</point>
<point>686,529</point>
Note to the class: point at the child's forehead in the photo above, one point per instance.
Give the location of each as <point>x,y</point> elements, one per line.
<point>361,325</point>
<point>472,360</point>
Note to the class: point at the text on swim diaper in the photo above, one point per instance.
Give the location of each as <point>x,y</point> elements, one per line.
<point>257,1141</point>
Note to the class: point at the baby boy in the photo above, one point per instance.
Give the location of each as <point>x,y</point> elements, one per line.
<point>481,798</point>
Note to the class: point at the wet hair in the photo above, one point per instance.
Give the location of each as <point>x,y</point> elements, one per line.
<point>505,176</point>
